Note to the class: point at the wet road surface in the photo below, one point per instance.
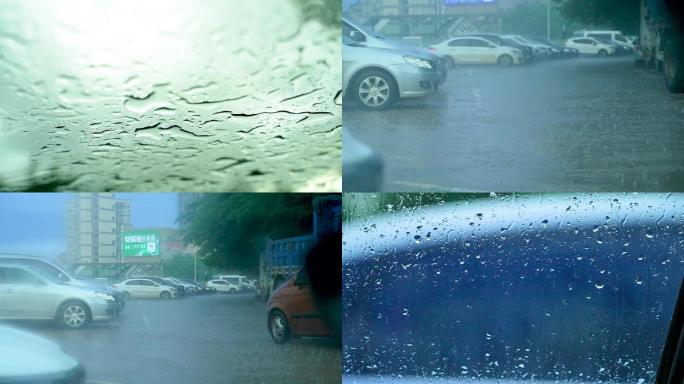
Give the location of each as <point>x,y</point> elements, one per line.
<point>579,124</point>
<point>200,339</point>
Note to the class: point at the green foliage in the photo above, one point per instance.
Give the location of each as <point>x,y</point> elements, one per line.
<point>529,19</point>
<point>618,14</point>
<point>183,266</point>
<point>230,229</point>
<point>328,12</point>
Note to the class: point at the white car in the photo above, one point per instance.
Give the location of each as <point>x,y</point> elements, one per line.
<point>615,37</point>
<point>540,50</point>
<point>146,288</point>
<point>590,46</point>
<point>476,50</point>
<point>224,286</point>
<point>29,358</point>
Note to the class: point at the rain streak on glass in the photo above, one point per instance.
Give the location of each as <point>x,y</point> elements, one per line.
<point>168,95</point>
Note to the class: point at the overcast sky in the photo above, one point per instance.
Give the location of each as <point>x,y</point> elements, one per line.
<point>35,223</point>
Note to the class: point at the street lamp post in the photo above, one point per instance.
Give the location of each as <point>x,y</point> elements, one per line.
<point>548,19</point>
<point>195,279</point>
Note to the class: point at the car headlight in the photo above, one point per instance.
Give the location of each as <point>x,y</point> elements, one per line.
<point>105,296</point>
<point>416,62</point>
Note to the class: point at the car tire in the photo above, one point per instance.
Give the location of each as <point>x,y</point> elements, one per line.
<point>165,295</point>
<point>450,63</point>
<point>73,315</point>
<point>375,90</point>
<point>505,61</point>
<point>278,327</point>
<point>673,66</point>
<point>602,53</point>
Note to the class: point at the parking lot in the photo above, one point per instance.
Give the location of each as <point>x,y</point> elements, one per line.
<point>560,125</point>
<point>197,339</point>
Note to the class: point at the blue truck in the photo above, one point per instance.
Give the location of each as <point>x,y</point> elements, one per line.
<point>282,258</point>
<point>662,46</point>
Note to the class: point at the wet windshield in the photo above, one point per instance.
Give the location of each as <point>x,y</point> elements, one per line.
<point>169,95</point>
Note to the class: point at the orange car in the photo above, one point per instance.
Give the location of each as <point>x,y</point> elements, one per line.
<point>292,311</point>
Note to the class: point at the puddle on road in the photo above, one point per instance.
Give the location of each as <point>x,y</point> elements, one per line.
<point>168,95</point>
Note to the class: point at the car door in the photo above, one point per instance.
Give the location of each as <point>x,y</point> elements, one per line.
<point>307,319</point>
<point>150,288</point>
<point>482,51</point>
<point>25,295</point>
<point>458,50</point>
<point>133,288</point>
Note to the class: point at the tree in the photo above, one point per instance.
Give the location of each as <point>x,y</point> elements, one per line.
<point>619,14</point>
<point>230,229</point>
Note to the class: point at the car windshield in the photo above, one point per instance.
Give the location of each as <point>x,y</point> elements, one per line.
<point>550,288</point>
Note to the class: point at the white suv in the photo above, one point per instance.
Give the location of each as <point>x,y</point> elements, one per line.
<point>614,36</point>
<point>590,46</point>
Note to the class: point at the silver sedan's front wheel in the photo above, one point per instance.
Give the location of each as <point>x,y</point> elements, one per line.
<point>375,90</point>
<point>74,315</point>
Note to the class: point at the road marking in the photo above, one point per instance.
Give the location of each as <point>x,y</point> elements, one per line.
<point>430,187</point>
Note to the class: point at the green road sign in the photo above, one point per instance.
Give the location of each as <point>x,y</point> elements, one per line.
<point>140,243</point>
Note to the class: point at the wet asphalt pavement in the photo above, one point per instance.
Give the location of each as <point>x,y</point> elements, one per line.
<point>200,339</point>
<point>568,125</point>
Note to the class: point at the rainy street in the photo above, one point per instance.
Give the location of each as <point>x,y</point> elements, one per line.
<point>577,124</point>
<point>207,339</point>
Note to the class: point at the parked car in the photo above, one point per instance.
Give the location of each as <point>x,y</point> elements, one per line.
<point>590,46</point>
<point>557,50</point>
<point>540,50</point>
<point>223,286</point>
<point>197,287</point>
<point>27,293</point>
<point>613,36</point>
<point>26,358</point>
<point>477,50</point>
<point>141,287</point>
<point>180,289</point>
<point>376,78</point>
<point>620,50</point>
<point>44,266</point>
<point>241,281</point>
<point>292,311</point>
<point>187,287</point>
<point>527,51</point>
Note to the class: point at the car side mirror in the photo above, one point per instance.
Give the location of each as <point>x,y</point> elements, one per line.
<point>357,36</point>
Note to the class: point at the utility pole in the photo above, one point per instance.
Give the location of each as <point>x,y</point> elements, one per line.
<point>195,278</point>
<point>548,19</point>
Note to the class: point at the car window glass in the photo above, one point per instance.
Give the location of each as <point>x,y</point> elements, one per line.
<point>458,43</point>
<point>18,276</point>
<point>133,282</point>
<point>478,43</point>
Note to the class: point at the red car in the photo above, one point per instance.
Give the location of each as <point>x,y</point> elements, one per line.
<point>292,311</point>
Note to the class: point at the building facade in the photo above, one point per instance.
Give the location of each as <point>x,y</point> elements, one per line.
<point>95,222</point>
<point>426,21</point>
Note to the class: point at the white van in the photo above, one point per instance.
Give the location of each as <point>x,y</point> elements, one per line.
<point>614,36</point>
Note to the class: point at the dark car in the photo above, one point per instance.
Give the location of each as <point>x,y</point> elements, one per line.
<point>528,52</point>
<point>161,280</point>
<point>558,50</point>
<point>558,287</point>
<point>620,50</point>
